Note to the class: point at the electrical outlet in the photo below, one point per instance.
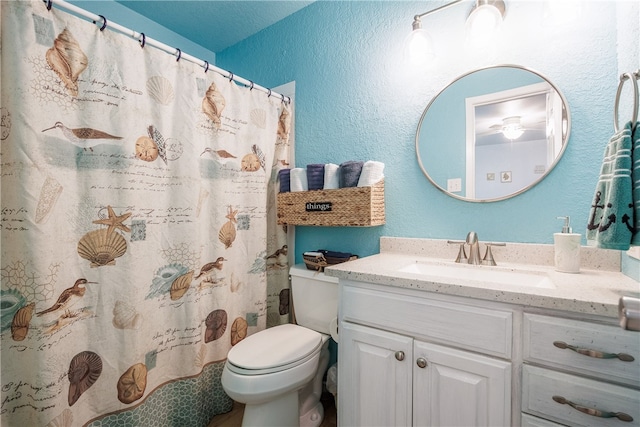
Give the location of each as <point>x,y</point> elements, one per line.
<point>454,185</point>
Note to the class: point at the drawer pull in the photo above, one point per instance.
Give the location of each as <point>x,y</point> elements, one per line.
<point>400,355</point>
<point>421,362</point>
<point>594,412</point>
<point>594,353</point>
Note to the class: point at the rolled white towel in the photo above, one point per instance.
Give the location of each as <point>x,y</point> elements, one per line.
<point>372,172</point>
<point>299,179</point>
<point>331,176</point>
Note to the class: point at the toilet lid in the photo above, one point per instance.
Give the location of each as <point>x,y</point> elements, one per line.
<point>273,347</point>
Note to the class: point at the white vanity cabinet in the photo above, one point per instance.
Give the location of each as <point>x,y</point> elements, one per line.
<point>409,357</point>
<point>425,341</point>
<point>580,372</point>
<point>406,358</point>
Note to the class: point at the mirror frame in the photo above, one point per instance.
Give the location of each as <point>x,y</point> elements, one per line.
<point>529,186</point>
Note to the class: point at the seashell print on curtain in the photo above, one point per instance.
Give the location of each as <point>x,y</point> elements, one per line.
<point>138,232</point>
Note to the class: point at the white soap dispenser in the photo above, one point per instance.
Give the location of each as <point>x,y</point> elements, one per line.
<point>567,249</point>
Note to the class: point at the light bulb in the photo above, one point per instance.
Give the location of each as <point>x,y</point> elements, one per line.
<point>419,47</point>
<point>483,23</point>
<point>512,132</point>
<point>511,128</point>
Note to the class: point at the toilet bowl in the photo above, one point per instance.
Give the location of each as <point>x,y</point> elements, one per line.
<point>277,373</point>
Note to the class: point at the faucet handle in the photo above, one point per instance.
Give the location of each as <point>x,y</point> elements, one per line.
<point>488,255</point>
<point>462,255</point>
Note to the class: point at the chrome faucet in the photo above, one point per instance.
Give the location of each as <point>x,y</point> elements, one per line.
<point>474,248</point>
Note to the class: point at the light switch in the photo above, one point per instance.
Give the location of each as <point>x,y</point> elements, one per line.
<point>454,185</point>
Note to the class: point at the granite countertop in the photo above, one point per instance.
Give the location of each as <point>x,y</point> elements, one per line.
<point>593,291</point>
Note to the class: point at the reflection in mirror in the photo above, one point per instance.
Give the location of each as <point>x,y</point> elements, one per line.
<point>492,133</point>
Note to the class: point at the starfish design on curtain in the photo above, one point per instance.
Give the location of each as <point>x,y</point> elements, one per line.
<point>114,221</point>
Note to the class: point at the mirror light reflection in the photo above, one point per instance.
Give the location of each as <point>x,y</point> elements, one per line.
<point>492,133</point>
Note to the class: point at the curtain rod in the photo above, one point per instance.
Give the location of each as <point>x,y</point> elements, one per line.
<point>103,23</point>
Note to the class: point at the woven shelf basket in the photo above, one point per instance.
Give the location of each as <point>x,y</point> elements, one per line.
<point>317,263</point>
<point>353,207</point>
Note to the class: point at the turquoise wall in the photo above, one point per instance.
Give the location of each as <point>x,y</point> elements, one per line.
<point>357,98</point>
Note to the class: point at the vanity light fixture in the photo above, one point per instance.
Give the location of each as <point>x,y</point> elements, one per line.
<point>484,20</point>
<point>512,128</point>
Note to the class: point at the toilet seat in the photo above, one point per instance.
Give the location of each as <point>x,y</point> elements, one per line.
<point>273,350</point>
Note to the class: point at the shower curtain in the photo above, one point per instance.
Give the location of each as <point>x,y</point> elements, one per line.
<point>139,241</point>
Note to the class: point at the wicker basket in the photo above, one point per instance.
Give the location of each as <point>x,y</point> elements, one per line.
<point>315,262</point>
<point>353,206</point>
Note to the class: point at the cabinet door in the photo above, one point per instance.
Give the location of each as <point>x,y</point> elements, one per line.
<point>374,377</point>
<point>458,388</point>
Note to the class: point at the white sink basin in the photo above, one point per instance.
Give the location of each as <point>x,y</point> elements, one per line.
<point>480,273</point>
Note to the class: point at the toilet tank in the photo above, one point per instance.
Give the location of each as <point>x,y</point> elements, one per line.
<point>315,298</point>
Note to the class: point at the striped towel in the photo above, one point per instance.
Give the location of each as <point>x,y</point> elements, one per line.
<point>350,173</point>
<point>611,217</point>
<point>284,175</point>
<point>635,175</point>
<point>315,176</point>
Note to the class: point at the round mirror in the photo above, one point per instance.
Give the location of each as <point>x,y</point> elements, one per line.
<point>493,133</point>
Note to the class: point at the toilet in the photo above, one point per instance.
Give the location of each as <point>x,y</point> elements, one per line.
<point>277,373</point>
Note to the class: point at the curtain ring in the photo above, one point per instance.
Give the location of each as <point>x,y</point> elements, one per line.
<point>230,76</point>
<point>49,4</point>
<point>282,95</point>
<point>179,54</point>
<point>143,41</point>
<point>269,94</point>
<point>104,23</point>
<point>206,66</point>
<point>251,87</point>
<point>288,100</point>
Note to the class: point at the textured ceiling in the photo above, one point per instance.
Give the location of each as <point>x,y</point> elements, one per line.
<point>215,24</point>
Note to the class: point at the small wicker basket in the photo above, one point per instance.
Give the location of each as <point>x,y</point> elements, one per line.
<point>315,261</point>
<point>353,206</point>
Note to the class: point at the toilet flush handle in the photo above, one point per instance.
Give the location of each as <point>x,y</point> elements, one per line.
<point>400,355</point>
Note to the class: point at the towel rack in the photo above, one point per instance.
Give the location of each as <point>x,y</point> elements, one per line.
<point>633,77</point>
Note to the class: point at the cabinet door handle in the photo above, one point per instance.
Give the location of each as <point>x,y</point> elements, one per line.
<point>400,355</point>
<point>594,353</point>
<point>594,412</point>
<point>421,362</point>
